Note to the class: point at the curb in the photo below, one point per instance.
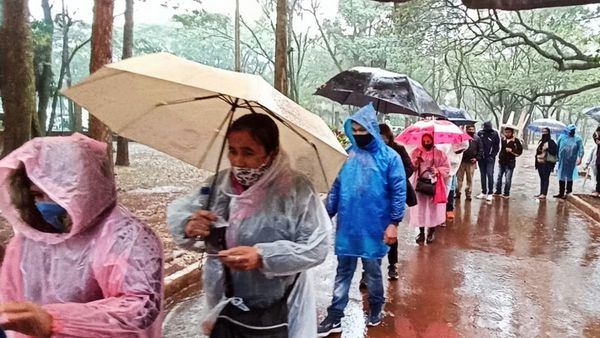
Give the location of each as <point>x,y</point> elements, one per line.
<point>180,280</point>
<point>584,206</point>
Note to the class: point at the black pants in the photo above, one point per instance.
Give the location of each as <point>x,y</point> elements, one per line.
<point>393,254</point>
<point>544,170</point>
<point>598,178</point>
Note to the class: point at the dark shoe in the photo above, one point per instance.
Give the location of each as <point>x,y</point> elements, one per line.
<point>457,195</point>
<point>559,196</point>
<point>497,193</point>
<point>420,238</point>
<point>468,198</point>
<point>430,237</point>
<point>392,273</point>
<point>363,283</point>
<point>375,319</point>
<point>329,326</point>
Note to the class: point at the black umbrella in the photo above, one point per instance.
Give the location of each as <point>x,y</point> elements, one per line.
<point>389,92</point>
<point>457,116</point>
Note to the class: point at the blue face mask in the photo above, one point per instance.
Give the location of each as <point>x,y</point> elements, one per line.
<point>52,213</point>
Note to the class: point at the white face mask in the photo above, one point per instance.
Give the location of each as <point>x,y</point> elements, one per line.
<point>248,176</point>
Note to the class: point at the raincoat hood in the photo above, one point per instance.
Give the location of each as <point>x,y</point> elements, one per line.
<point>571,127</point>
<point>73,171</point>
<point>487,125</point>
<point>366,117</point>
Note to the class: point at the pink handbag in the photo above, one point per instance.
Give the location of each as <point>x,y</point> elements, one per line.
<point>441,196</point>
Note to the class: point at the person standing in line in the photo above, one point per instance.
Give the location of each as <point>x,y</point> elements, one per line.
<point>468,164</point>
<point>368,197</point>
<point>546,155</point>
<point>411,198</point>
<point>594,162</point>
<point>507,161</point>
<point>432,164</point>
<point>490,143</point>
<point>570,155</point>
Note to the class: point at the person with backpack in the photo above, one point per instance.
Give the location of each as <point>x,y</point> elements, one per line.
<point>490,145</point>
<point>469,163</point>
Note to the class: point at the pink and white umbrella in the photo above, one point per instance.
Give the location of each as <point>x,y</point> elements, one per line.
<point>443,131</point>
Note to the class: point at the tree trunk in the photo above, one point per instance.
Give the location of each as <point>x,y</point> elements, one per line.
<point>44,83</point>
<point>101,55</point>
<point>123,143</point>
<point>17,84</point>
<point>238,49</point>
<point>78,118</point>
<point>281,76</point>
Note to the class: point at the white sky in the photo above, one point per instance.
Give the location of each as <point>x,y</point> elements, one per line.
<point>152,12</point>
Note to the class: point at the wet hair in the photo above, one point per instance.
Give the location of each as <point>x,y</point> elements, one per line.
<point>24,201</point>
<point>384,129</point>
<point>261,128</point>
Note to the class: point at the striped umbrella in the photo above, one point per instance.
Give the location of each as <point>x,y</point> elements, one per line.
<point>555,126</point>
<point>443,131</point>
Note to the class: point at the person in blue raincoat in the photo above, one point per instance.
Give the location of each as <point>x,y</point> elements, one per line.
<point>368,197</point>
<point>570,154</point>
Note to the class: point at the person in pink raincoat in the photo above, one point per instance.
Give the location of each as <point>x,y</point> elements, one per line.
<point>429,163</point>
<point>79,265</point>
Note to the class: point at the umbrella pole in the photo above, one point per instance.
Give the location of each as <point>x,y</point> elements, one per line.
<point>229,119</point>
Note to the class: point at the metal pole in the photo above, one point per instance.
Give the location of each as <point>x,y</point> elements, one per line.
<point>238,67</point>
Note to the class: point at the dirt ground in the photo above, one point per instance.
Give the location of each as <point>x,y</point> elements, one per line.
<point>146,187</point>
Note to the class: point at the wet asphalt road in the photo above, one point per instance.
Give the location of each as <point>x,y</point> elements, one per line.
<point>509,268</point>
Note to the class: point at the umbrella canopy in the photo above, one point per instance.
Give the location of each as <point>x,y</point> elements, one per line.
<point>443,131</point>
<point>555,126</point>
<point>389,92</point>
<point>183,109</point>
<point>593,113</point>
<point>457,116</point>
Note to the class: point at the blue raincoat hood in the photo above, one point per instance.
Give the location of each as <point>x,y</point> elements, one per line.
<point>368,194</point>
<point>366,117</point>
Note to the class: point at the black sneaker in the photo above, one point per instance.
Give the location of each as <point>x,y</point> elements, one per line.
<point>392,273</point>
<point>363,283</point>
<point>420,238</point>
<point>329,326</point>
<point>375,319</point>
<point>430,237</point>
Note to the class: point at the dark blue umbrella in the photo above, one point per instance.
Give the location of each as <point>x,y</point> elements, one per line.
<point>555,126</point>
<point>457,115</point>
<point>390,93</point>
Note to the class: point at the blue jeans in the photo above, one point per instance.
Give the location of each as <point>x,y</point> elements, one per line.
<point>343,278</point>
<point>505,170</point>
<point>486,169</point>
<point>451,191</point>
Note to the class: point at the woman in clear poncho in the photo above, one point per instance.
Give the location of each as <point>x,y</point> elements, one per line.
<point>79,265</point>
<point>277,226</point>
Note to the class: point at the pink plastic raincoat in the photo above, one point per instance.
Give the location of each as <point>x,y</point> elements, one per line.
<point>104,277</point>
<point>427,213</point>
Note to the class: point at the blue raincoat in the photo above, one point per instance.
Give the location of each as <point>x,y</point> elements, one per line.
<point>368,194</point>
<point>570,148</point>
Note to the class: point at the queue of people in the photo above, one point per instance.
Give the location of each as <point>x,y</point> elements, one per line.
<point>81,265</point>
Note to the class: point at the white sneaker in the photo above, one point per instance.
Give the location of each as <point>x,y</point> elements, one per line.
<point>481,196</point>
<point>489,198</point>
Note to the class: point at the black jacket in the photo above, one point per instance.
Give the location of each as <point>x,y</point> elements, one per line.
<point>489,141</point>
<point>552,150</point>
<point>411,195</point>
<point>475,150</point>
<point>510,159</point>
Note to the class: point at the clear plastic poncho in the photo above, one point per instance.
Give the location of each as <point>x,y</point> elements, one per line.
<point>283,217</point>
<point>102,279</point>
<point>368,194</point>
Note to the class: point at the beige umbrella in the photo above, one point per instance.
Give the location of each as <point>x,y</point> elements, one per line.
<point>183,109</point>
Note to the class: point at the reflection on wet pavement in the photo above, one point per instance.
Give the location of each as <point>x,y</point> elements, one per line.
<point>509,268</point>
